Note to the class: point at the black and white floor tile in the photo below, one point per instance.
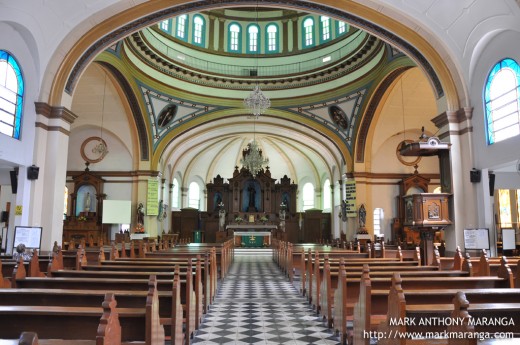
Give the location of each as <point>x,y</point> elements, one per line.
<point>256,304</point>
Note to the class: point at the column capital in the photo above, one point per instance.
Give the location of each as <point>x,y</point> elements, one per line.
<point>51,112</point>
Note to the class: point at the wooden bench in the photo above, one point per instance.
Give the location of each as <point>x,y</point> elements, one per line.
<point>187,293</point>
<point>373,305</point>
<point>311,283</point>
<point>223,253</point>
<point>500,304</point>
<point>349,290</point>
<point>158,264</point>
<point>139,325</point>
<point>108,331</point>
<point>134,272</point>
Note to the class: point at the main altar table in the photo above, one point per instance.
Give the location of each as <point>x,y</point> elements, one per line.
<point>249,231</point>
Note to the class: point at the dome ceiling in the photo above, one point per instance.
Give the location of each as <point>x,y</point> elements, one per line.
<point>193,118</point>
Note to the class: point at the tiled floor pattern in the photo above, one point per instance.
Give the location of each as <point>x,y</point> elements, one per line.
<point>256,304</point>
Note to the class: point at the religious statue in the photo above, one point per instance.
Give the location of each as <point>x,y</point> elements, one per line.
<point>221,216</point>
<point>160,212</point>
<point>252,193</point>
<point>140,213</point>
<point>87,202</point>
<point>362,216</point>
<point>283,210</point>
<point>343,211</point>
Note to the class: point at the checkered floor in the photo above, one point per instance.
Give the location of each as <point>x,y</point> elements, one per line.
<point>257,305</point>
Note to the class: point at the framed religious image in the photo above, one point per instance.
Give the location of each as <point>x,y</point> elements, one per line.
<point>90,151</point>
<point>251,218</point>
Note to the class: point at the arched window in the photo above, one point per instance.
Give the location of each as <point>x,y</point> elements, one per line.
<point>501,101</point>
<point>272,38</point>
<point>327,196</point>
<point>198,30</point>
<point>308,32</point>
<point>194,195</point>
<point>324,28</point>
<point>252,38</point>
<point>234,38</point>
<point>182,27</point>
<point>11,95</point>
<point>379,214</point>
<point>165,25</point>
<point>308,196</point>
<point>175,193</point>
<point>341,28</point>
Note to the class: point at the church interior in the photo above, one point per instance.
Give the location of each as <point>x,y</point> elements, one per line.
<point>264,126</point>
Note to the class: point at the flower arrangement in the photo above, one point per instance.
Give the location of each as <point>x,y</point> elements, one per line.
<point>264,219</point>
<point>82,219</point>
<point>139,229</point>
<point>239,219</point>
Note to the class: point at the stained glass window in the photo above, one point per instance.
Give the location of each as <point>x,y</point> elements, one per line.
<point>341,28</point>
<point>181,26</point>
<point>308,32</point>
<point>327,195</point>
<point>194,195</point>
<point>378,218</point>
<point>308,196</point>
<point>501,101</point>
<point>11,95</point>
<point>198,30</point>
<point>504,200</point>
<point>175,193</point>
<point>252,40</point>
<point>165,25</point>
<point>234,37</point>
<point>325,28</point>
<point>272,38</point>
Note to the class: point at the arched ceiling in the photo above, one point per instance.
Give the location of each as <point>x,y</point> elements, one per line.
<point>299,133</point>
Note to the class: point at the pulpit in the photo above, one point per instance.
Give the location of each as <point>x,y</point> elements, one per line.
<point>427,213</point>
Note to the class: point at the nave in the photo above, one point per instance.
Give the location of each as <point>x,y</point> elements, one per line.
<point>256,304</point>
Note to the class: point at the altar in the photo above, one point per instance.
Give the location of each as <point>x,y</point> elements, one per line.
<point>251,235</point>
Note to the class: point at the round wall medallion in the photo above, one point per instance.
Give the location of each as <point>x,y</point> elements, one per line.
<point>406,160</point>
<point>94,149</point>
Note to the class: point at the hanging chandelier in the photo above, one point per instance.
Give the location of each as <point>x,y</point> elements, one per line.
<point>252,158</point>
<point>257,102</point>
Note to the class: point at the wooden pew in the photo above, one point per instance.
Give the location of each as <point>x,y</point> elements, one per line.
<point>373,305</point>
<point>495,303</point>
<point>223,253</point>
<point>163,273</point>
<point>311,282</point>
<point>348,291</point>
<point>108,331</point>
<point>307,280</point>
<point>139,325</point>
<point>330,279</point>
<point>158,265</point>
<point>111,284</point>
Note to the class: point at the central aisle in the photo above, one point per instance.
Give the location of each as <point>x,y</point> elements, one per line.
<point>256,304</point>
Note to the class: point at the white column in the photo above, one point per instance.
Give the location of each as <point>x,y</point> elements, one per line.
<point>50,155</point>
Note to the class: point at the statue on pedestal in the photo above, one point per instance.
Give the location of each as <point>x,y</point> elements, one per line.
<point>221,216</point>
<point>87,202</point>
<point>362,217</point>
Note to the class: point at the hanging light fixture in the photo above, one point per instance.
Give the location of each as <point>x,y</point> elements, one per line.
<point>101,148</point>
<point>252,158</point>
<point>257,102</point>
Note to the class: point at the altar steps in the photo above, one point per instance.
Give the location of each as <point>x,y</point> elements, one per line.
<point>253,251</point>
